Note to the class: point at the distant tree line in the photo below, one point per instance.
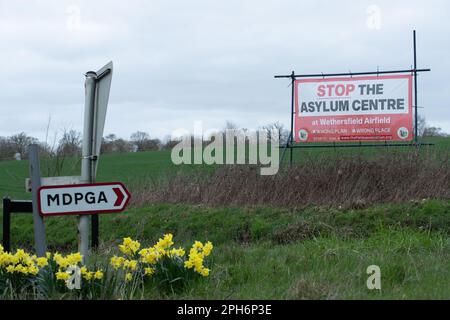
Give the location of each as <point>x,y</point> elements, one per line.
<point>139,141</point>
<point>70,141</point>
<point>425,130</point>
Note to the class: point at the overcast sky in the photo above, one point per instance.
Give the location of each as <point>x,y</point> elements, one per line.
<point>176,62</point>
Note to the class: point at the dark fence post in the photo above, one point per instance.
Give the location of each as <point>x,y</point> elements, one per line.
<point>94,231</point>
<point>6,224</point>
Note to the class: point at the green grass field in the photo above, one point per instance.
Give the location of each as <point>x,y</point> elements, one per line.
<point>270,253</point>
<point>132,168</point>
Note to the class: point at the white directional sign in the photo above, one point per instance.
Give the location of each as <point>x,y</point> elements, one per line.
<point>103,86</point>
<point>82,199</point>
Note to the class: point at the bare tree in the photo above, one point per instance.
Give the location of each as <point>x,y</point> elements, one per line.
<point>20,143</point>
<point>112,144</point>
<point>121,146</point>
<point>144,143</point>
<point>424,130</point>
<point>64,153</point>
<point>108,143</point>
<point>283,134</point>
<point>230,125</point>
<point>45,150</point>
<point>433,132</point>
<point>70,143</point>
<point>168,143</point>
<point>421,125</point>
<point>6,149</point>
<point>110,137</point>
<point>140,138</point>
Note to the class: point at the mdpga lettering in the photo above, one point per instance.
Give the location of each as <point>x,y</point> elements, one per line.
<point>67,199</point>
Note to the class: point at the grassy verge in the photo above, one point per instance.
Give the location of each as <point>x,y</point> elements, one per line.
<point>241,225</point>
<point>270,253</point>
<point>414,265</point>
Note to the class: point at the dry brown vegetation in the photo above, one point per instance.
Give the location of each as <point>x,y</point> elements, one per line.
<point>350,181</point>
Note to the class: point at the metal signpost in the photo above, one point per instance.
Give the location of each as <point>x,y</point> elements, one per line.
<point>290,143</point>
<point>103,86</point>
<point>74,195</point>
<point>97,87</point>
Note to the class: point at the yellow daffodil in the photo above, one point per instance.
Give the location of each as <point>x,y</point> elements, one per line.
<point>60,260</point>
<point>165,242</point>
<point>150,255</point>
<point>41,262</point>
<point>117,262</point>
<point>129,246</point>
<point>197,253</point>
<point>20,254</point>
<point>33,270</point>
<point>62,275</point>
<point>205,272</point>
<point>207,248</point>
<point>130,264</point>
<point>98,275</point>
<point>197,245</point>
<point>149,271</point>
<point>176,253</point>
<point>88,275</point>
<point>74,258</point>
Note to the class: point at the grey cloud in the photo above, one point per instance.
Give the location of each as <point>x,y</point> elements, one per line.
<point>181,61</point>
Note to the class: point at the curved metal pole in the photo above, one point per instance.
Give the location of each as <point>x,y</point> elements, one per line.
<point>86,167</point>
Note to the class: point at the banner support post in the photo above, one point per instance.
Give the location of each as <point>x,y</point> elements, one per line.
<point>291,138</point>
<point>416,137</point>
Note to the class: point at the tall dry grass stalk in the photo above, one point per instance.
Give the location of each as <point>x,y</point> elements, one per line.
<point>337,180</point>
